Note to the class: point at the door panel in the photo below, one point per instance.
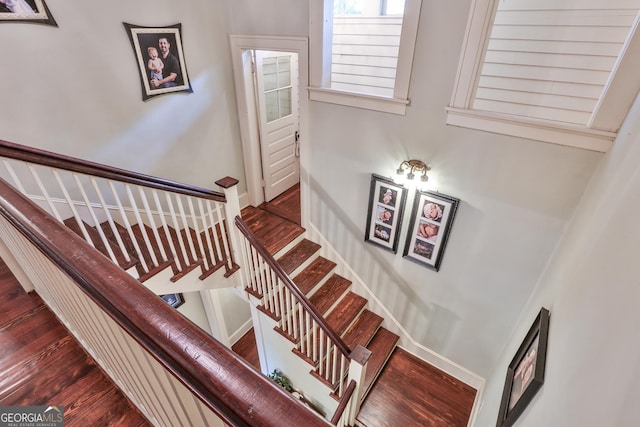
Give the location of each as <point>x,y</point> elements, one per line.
<point>277,92</point>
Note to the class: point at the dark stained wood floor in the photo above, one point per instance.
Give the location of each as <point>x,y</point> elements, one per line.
<point>246,348</point>
<point>408,392</point>
<point>42,364</point>
<point>286,205</point>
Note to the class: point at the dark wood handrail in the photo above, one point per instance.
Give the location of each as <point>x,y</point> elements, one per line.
<point>286,280</point>
<point>224,382</point>
<point>54,160</point>
<point>343,402</point>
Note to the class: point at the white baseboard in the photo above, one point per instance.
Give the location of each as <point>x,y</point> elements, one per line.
<point>235,336</point>
<point>406,341</point>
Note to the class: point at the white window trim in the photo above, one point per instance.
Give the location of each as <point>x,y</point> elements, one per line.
<point>320,61</point>
<point>620,92</point>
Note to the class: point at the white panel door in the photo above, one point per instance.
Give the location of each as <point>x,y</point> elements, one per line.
<point>277,92</point>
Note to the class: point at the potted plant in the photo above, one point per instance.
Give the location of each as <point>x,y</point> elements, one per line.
<point>279,378</point>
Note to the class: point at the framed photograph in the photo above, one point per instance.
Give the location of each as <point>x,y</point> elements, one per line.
<point>174,300</point>
<point>431,220</point>
<point>386,208</point>
<point>160,59</point>
<point>525,374</point>
<point>26,11</point>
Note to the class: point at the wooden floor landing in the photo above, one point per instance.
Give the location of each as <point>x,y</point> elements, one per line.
<point>41,364</point>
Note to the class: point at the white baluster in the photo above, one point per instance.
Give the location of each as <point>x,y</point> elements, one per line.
<point>167,233</point>
<point>143,230</point>
<point>112,225</point>
<point>127,226</point>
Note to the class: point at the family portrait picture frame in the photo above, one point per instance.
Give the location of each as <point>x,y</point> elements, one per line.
<point>33,11</point>
<point>174,300</point>
<point>525,374</point>
<point>386,210</point>
<point>432,217</point>
<point>160,59</point>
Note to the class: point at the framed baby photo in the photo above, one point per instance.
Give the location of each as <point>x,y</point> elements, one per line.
<point>35,11</point>
<point>525,374</point>
<point>431,220</point>
<point>160,59</point>
<point>386,209</point>
<point>174,300</point>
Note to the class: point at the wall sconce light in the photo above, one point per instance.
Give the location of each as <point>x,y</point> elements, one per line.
<point>414,166</point>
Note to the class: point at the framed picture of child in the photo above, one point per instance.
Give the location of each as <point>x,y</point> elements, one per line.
<point>160,59</point>
<point>26,11</point>
<point>384,216</point>
<point>431,220</point>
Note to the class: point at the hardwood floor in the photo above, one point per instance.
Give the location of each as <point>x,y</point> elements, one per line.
<point>408,392</point>
<point>247,349</point>
<point>286,205</point>
<point>42,364</point>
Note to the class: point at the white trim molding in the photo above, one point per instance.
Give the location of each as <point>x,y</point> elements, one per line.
<point>320,31</point>
<point>564,117</point>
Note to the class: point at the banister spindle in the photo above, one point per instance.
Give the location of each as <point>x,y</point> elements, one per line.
<point>127,226</point>
<point>76,215</point>
<point>94,218</point>
<point>196,228</point>
<point>177,228</point>
<point>112,225</point>
<point>187,228</point>
<point>167,232</point>
<point>141,225</point>
<point>152,223</point>
<point>208,230</point>
<point>45,193</point>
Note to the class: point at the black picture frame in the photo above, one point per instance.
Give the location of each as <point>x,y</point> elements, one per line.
<point>525,374</point>
<point>386,210</point>
<point>174,300</point>
<point>38,14</point>
<point>145,38</point>
<point>432,217</point>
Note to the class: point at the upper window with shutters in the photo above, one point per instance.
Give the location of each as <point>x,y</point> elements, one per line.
<point>563,72</point>
<point>362,52</point>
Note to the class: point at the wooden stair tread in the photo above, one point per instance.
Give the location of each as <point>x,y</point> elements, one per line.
<point>297,255</point>
<point>72,224</point>
<point>362,330</point>
<point>381,347</point>
<point>272,231</point>
<point>313,274</point>
<point>345,312</point>
<point>330,292</point>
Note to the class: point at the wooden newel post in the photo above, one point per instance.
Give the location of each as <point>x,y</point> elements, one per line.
<point>357,371</point>
<point>231,210</point>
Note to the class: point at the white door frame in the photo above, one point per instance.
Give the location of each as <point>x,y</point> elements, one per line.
<point>247,115</point>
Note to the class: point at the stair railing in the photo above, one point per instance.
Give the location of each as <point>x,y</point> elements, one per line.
<point>152,211</point>
<point>174,372</point>
<point>341,418</point>
<point>297,318</point>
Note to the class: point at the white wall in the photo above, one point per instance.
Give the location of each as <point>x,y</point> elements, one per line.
<point>591,289</point>
<point>76,90</point>
<point>270,17</point>
<point>516,198</point>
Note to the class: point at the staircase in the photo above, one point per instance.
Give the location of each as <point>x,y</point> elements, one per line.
<point>329,293</point>
<point>184,243</point>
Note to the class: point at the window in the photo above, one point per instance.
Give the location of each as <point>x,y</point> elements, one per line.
<point>538,69</point>
<point>362,52</point>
